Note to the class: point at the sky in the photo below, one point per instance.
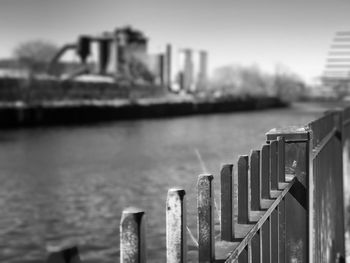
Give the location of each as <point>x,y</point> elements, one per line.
<point>266,33</point>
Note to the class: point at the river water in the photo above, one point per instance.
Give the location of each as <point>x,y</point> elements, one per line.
<point>68,185</point>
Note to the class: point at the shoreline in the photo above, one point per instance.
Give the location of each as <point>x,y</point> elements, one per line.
<point>74,112</point>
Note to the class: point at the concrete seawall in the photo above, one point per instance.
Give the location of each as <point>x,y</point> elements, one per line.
<point>32,102</point>
<point>38,90</point>
<point>77,112</point>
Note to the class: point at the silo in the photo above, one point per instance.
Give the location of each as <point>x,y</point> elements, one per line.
<point>203,70</point>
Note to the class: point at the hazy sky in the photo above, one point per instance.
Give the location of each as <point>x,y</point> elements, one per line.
<point>297,33</point>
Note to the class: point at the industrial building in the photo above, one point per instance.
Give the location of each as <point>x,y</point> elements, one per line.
<point>123,55</point>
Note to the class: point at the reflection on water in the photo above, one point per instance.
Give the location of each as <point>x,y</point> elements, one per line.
<point>62,186</point>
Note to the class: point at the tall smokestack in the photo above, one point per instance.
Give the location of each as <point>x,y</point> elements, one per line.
<point>103,55</point>
<point>188,70</point>
<point>115,47</point>
<point>84,48</point>
<point>162,71</point>
<point>203,70</point>
<point>168,67</point>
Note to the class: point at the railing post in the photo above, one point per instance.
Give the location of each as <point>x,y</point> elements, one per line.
<point>265,172</point>
<point>273,165</point>
<point>293,213</point>
<point>255,185</point>
<point>282,231</point>
<point>132,236</point>
<point>265,242</point>
<point>274,228</point>
<point>245,256</point>
<point>346,166</point>
<point>227,215</point>
<point>176,226</point>
<point>205,205</point>
<point>243,189</point>
<point>256,247</point>
<point>281,160</point>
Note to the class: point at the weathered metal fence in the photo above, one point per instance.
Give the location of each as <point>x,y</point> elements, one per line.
<point>326,194</point>
<point>346,167</point>
<point>282,203</point>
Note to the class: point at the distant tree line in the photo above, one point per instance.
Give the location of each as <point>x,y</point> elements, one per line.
<point>251,81</point>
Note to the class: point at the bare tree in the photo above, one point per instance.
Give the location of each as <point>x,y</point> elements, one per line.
<point>34,55</point>
<point>287,84</point>
<point>240,80</point>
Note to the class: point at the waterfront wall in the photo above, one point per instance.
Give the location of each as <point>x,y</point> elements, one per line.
<point>35,90</point>
<point>25,102</point>
<point>20,115</point>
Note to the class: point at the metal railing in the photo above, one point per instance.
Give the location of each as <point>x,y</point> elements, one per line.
<point>282,203</point>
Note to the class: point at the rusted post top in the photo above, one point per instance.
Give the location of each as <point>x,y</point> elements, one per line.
<point>135,212</point>
<point>179,192</point>
<point>293,133</point>
<point>204,180</point>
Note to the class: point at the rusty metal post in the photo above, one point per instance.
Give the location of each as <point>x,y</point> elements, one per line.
<point>282,231</point>
<point>265,242</point>
<point>256,248</point>
<point>205,204</point>
<point>245,256</point>
<point>227,208</point>
<point>265,172</point>
<point>243,189</point>
<point>176,226</point>
<point>255,185</point>
<point>281,160</point>
<point>273,165</point>
<point>274,230</point>
<point>132,236</point>
<point>346,166</point>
